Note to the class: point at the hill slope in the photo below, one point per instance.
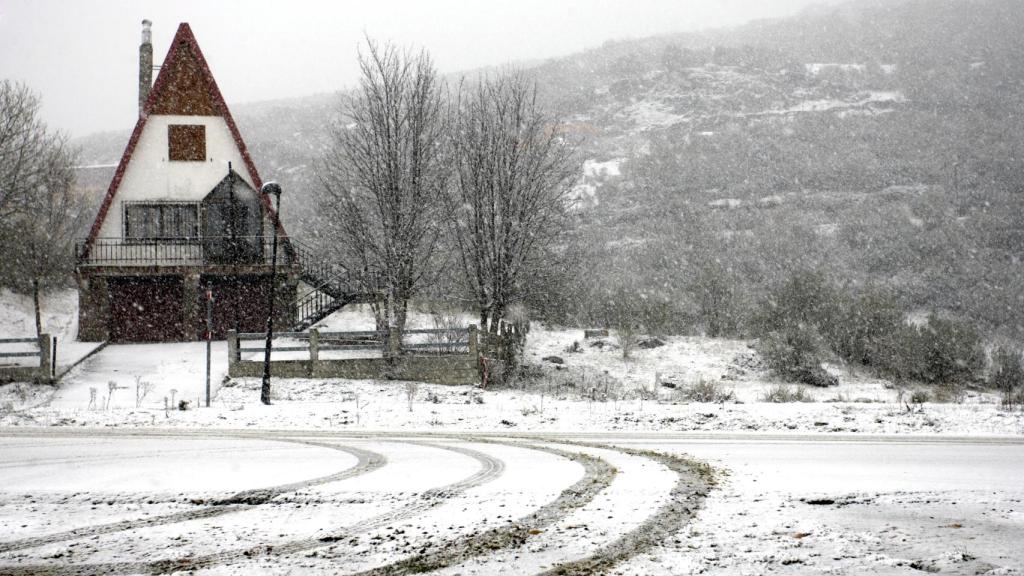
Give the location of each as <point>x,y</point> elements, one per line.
<point>877,140</point>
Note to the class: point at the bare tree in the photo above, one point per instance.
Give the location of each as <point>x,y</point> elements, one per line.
<point>40,211</point>
<point>57,214</point>
<point>384,177</point>
<point>512,193</point>
<point>23,141</point>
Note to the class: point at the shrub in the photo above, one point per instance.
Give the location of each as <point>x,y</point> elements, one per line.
<point>865,329</point>
<point>715,294</point>
<point>624,312</point>
<point>806,298</point>
<point>782,393</point>
<point>942,352</point>
<point>919,396</point>
<point>1007,374</point>
<point>952,352</point>
<point>703,391</point>
<point>626,335</point>
<point>795,354</point>
<point>949,393</point>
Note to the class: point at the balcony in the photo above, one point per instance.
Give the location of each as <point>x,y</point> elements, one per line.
<point>207,251</point>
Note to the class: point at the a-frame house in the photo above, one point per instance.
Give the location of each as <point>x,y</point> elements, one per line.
<point>184,216</point>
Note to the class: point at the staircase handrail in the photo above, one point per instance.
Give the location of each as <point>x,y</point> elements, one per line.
<point>323,283</point>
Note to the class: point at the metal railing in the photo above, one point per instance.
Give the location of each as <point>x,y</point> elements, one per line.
<point>241,250</point>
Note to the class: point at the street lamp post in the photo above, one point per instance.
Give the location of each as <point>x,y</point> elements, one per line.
<point>271,188</point>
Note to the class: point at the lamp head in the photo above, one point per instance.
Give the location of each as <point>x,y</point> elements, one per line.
<point>271,188</point>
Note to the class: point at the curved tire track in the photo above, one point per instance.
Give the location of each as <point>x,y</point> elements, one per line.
<point>694,481</point>
<point>366,461</point>
<point>490,469</point>
<point>685,499</point>
<point>597,476</point>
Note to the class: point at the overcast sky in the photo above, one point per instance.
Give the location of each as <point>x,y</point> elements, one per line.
<point>82,56</point>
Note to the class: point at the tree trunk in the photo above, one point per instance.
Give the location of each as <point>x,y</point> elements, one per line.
<point>35,302</point>
<point>394,334</point>
<point>497,315</point>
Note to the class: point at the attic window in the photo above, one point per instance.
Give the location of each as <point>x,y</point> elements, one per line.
<point>186,142</point>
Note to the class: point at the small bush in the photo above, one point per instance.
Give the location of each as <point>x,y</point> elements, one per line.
<point>703,391</point>
<point>782,394</point>
<point>411,388</point>
<point>1007,374</point>
<point>714,290</point>
<point>949,394</point>
<point>806,298</point>
<point>919,396</point>
<point>940,352</point>
<point>864,332</point>
<point>794,354</point>
<point>627,337</point>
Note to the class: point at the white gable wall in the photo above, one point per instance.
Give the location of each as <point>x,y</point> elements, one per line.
<point>150,176</point>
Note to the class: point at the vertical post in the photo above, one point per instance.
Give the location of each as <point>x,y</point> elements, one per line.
<point>275,189</point>
<point>209,337</point>
<point>233,244</point>
<point>394,341</point>
<point>44,354</point>
<point>192,311</point>
<point>53,354</point>
<point>314,345</point>
<point>233,354</point>
<point>473,347</point>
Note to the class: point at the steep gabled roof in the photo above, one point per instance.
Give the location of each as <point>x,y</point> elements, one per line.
<point>184,87</point>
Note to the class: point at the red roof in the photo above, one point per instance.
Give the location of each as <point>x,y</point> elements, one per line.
<point>184,68</point>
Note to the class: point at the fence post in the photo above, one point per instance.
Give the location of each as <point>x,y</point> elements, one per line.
<point>474,349</point>
<point>394,342</point>
<point>233,354</point>
<point>45,355</point>
<point>314,345</point>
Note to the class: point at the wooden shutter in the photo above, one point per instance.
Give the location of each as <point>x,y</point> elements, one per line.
<point>186,142</point>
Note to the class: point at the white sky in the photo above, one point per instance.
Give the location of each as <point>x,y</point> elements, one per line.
<point>82,55</point>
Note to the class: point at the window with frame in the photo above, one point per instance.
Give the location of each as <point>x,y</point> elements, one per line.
<point>186,142</point>
<point>163,221</point>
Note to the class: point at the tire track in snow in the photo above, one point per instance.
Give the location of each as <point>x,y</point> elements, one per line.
<point>694,481</point>
<point>366,461</point>
<point>490,469</point>
<point>597,476</point>
<point>685,499</point>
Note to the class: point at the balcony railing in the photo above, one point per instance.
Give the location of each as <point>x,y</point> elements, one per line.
<point>245,251</point>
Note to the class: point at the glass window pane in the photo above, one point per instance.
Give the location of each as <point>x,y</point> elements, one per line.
<point>169,221</point>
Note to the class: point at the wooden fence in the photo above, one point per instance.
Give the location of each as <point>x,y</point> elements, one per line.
<point>442,356</point>
<point>44,350</point>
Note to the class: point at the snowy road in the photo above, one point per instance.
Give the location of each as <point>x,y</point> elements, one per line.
<point>247,501</point>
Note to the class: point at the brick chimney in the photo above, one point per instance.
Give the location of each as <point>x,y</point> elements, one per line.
<point>145,64</point>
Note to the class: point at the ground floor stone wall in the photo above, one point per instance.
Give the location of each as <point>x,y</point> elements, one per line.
<point>169,305</point>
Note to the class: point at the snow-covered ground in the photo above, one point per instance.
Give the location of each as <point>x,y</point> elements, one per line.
<point>462,480</point>
<point>59,317</point>
<point>130,501</point>
<point>850,507</point>
<point>575,385</point>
